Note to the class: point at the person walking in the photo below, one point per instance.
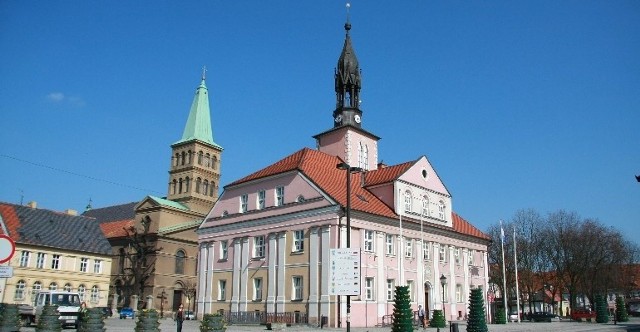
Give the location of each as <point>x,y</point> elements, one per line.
<point>421,315</point>
<point>180,317</point>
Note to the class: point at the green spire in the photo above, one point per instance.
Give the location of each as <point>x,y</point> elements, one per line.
<point>199,122</point>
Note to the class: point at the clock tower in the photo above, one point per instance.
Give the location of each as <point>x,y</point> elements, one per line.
<point>347,139</point>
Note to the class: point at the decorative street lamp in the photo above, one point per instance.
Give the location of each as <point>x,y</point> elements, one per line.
<point>349,169</point>
<point>443,282</point>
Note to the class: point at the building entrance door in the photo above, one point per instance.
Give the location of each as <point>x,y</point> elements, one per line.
<point>177,299</point>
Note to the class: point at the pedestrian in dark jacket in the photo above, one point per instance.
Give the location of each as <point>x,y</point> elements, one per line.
<point>180,317</point>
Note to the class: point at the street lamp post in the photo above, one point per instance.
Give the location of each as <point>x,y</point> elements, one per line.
<point>349,169</point>
<point>443,282</point>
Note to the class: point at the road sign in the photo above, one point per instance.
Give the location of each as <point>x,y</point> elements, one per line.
<point>7,248</point>
<point>344,273</point>
<point>6,271</point>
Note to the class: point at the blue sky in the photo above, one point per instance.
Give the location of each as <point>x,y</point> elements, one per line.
<point>517,104</point>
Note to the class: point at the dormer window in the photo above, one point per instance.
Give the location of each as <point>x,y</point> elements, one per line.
<point>441,210</point>
<point>407,201</point>
<point>425,206</point>
<point>261,199</point>
<point>280,196</point>
<point>244,199</point>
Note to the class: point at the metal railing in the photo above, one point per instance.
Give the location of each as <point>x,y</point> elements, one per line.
<point>262,317</point>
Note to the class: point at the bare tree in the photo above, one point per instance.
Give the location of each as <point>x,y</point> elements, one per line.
<point>141,257</point>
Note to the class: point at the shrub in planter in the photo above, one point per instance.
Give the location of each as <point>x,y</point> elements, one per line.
<point>438,319</point>
<point>500,317</point>
<point>9,318</point>
<point>49,320</point>
<point>213,323</point>
<point>621,310</point>
<point>148,321</point>
<point>91,320</point>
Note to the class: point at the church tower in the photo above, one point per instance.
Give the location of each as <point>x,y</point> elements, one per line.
<point>194,176</point>
<point>347,139</point>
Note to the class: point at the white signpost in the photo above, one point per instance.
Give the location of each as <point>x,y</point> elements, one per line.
<point>344,276</point>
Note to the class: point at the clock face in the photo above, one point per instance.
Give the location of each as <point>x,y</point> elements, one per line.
<point>357,118</point>
<point>338,118</point>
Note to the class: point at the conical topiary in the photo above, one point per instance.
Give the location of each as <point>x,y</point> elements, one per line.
<point>91,320</point>
<point>213,323</point>
<point>602,316</point>
<point>9,317</point>
<point>438,319</point>
<point>476,321</point>
<point>402,313</point>
<point>500,317</point>
<point>148,321</point>
<point>49,320</point>
<point>621,310</point>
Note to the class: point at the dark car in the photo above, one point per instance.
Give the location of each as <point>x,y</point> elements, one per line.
<point>106,312</point>
<point>126,312</point>
<point>542,317</point>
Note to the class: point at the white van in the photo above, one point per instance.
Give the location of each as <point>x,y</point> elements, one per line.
<point>68,305</point>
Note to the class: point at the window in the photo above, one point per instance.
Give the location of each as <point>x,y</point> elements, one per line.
<point>20,286</point>
<point>471,254</point>
<point>180,186</point>
<point>298,241</point>
<point>97,266</point>
<point>212,188</point>
<point>389,244</point>
<point>257,289</point>
<point>186,184</point>
<point>407,201</point>
<point>198,185</point>
<point>368,289</point>
<point>443,256</point>
<point>55,262</point>
<point>410,289</point>
<point>459,293</point>
<point>425,206</point>
<point>365,158</point>
<point>205,187</point>
<point>360,155</point>
<point>84,262</point>
<point>456,255</point>
<point>426,251</point>
<point>279,196</point>
<point>180,257</point>
<point>258,246</point>
<point>243,203</point>
<point>82,290</point>
<point>95,294</point>
<point>37,286</point>
<point>214,162</point>
<point>24,258</point>
<point>261,198</point>
<point>222,290</point>
<point>200,154</point>
<point>224,249</point>
<point>390,289</point>
<point>40,260</point>
<point>409,248</point>
<point>441,209</point>
<point>368,240</point>
<point>53,286</point>
<point>297,288</point>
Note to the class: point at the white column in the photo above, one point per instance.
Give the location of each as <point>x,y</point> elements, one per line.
<point>271,288</point>
<point>325,253</point>
<point>237,267</point>
<point>420,272</point>
<point>381,279</point>
<point>400,256</point>
<point>437,288</point>
<point>202,284</point>
<point>281,272</point>
<point>313,274</point>
<point>451,312</point>
<point>485,287</point>
<point>244,274</point>
<point>466,289</point>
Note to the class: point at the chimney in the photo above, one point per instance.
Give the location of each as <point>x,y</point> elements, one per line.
<point>381,165</point>
<point>32,204</point>
<point>71,212</point>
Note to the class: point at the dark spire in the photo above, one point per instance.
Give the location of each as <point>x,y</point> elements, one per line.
<point>347,79</point>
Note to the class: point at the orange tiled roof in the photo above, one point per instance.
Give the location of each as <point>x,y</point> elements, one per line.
<point>321,169</point>
<point>11,220</point>
<point>115,229</point>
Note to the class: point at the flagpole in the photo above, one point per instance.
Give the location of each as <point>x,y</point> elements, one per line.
<point>515,259</point>
<point>505,300</point>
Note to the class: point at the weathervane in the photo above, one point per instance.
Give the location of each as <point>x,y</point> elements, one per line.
<point>204,72</point>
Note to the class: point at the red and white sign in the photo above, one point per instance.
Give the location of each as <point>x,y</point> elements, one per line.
<point>491,297</point>
<point>7,248</point>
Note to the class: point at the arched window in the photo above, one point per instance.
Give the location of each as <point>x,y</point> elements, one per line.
<point>441,210</point>
<point>360,155</point>
<point>190,154</point>
<point>212,188</point>
<point>198,184</point>
<point>214,162</point>
<point>175,185</point>
<point>186,185</point>
<point>365,158</point>
<point>95,294</point>
<point>82,291</point>
<point>20,287</point>
<point>180,186</point>
<point>200,158</point>
<point>176,160</point>
<point>121,260</point>
<point>67,287</point>
<point>425,206</point>
<point>184,155</point>
<point>53,286</point>
<point>407,201</point>
<point>37,286</point>
<point>205,187</point>
<point>180,257</point>
<point>207,160</point>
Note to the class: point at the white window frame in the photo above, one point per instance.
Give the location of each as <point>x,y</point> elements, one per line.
<point>298,241</point>
<point>224,249</point>
<point>37,286</point>
<point>411,289</point>
<point>258,246</point>
<point>459,298</point>
<point>97,266</point>
<point>55,262</point>
<point>279,196</point>
<point>368,240</point>
<point>244,203</point>
<point>408,201</point>
<point>471,254</point>
<point>25,257</point>
<point>21,286</point>
<point>261,199</point>
<point>426,251</point>
<point>456,255</point>
<point>222,290</point>
<point>442,254</point>
<point>389,244</point>
<point>41,260</point>
<point>82,291</point>
<point>441,210</point>
<point>257,289</point>
<point>391,286</point>
<point>425,206</point>
<point>296,291</point>
<point>408,253</point>
<point>66,287</point>
<point>53,286</point>
<point>84,264</point>
<point>369,288</point>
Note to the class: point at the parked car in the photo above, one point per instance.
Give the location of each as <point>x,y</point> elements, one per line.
<point>542,317</point>
<point>126,312</point>
<point>189,315</point>
<point>513,317</point>
<point>579,313</point>
<point>106,312</point>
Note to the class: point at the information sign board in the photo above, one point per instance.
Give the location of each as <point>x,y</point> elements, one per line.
<point>344,276</point>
